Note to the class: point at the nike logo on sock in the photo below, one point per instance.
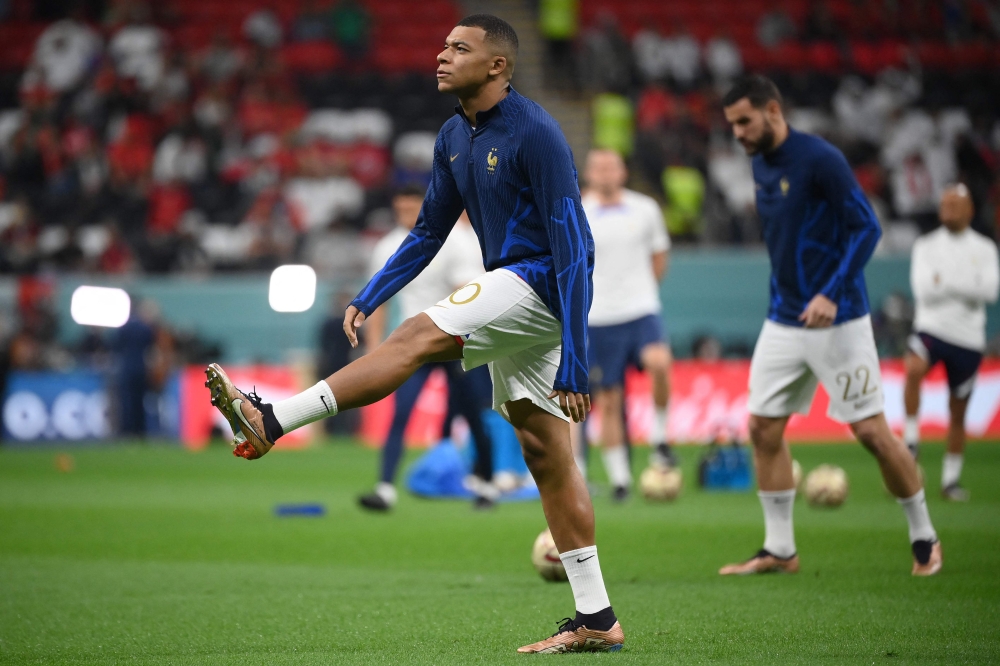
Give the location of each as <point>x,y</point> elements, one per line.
<point>579,561</point>
<point>323,398</point>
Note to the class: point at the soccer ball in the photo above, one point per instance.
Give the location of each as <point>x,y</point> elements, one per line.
<point>796,474</point>
<point>545,557</point>
<point>826,486</point>
<point>661,484</point>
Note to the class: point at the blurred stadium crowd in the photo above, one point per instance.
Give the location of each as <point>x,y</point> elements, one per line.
<point>203,135</point>
<point>209,134</point>
<point>910,91</point>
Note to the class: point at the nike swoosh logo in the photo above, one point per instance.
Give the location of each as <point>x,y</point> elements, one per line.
<point>454,156</point>
<point>326,406</point>
<point>239,413</point>
<point>579,561</point>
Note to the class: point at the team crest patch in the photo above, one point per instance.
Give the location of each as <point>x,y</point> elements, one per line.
<point>784,187</point>
<point>492,161</point>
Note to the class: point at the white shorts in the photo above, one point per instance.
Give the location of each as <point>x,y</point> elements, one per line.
<point>789,361</point>
<point>500,320</point>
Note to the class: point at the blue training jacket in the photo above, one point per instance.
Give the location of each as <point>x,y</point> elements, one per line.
<point>819,229</point>
<point>515,176</point>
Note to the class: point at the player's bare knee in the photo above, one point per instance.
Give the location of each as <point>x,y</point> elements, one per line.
<point>874,436</point>
<point>765,433</point>
<point>657,359</point>
<point>420,340</point>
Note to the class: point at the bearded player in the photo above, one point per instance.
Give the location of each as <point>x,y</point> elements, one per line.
<point>820,233</point>
<point>504,160</point>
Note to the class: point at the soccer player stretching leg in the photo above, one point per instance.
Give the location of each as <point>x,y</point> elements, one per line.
<point>820,233</point>
<point>503,159</point>
<point>631,245</point>
<point>953,274</point>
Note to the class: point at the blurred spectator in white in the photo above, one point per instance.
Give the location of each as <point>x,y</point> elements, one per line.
<point>723,60</point>
<point>863,112</point>
<point>317,195</point>
<point>180,157</point>
<point>684,58</point>
<point>413,155</point>
<point>221,60</point>
<point>774,27</point>
<point>65,52</point>
<point>652,54</point>
<point>263,28</point>
<point>138,49</point>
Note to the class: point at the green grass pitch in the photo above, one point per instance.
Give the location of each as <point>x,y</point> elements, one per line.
<point>154,555</point>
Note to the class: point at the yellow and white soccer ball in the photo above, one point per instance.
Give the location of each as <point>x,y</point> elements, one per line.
<point>545,557</point>
<point>796,474</point>
<point>826,486</point>
<point>660,484</point>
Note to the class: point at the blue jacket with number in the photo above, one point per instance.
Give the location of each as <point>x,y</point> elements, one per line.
<point>514,174</point>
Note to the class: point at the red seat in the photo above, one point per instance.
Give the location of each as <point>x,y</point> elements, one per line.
<point>824,57</point>
<point>311,57</point>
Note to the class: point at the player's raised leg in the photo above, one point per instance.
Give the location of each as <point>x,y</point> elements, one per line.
<point>899,470</point>
<point>773,463</point>
<point>257,425</point>
<point>916,369</point>
<point>657,361</point>
<point>611,402</point>
<point>570,515</point>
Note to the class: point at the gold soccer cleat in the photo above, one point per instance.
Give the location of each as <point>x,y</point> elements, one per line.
<point>577,638</point>
<point>243,413</point>
<point>762,562</point>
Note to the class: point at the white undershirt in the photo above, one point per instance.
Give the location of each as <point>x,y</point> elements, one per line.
<point>953,276</point>
<point>459,262</point>
<point>626,236</point>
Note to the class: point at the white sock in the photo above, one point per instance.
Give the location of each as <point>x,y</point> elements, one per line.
<point>617,466</point>
<point>911,430</point>
<point>919,519</point>
<point>659,434</point>
<point>313,404</point>
<point>386,491</point>
<point>951,470</point>
<point>779,535</point>
<point>584,572</point>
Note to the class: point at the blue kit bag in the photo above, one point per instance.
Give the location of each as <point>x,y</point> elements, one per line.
<point>726,467</point>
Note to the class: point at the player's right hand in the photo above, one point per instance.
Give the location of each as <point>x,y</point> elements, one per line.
<point>353,319</point>
<point>573,405</point>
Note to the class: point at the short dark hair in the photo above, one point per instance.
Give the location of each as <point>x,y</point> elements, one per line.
<point>410,190</point>
<point>497,30</point>
<point>758,89</point>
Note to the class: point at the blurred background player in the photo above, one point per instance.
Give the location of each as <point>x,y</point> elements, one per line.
<point>458,262</point>
<point>820,232</point>
<point>631,246</point>
<point>954,273</point>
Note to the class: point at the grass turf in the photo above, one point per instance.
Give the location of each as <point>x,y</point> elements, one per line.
<point>146,555</point>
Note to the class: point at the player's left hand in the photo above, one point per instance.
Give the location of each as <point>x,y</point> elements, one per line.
<point>820,313</point>
<point>573,405</point>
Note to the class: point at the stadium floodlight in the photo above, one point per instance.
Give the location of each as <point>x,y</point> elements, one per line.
<point>100,306</point>
<point>292,289</point>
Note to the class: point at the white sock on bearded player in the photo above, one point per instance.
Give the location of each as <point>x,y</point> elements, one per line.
<point>584,572</point>
<point>659,433</point>
<point>313,404</point>
<point>779,535</point>
<point>617,466</point>
<point>918,517</point>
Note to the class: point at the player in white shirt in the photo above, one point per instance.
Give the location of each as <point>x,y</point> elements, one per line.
<point>458,262</point>
<point>954,273</point>
<point>631,246</point>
